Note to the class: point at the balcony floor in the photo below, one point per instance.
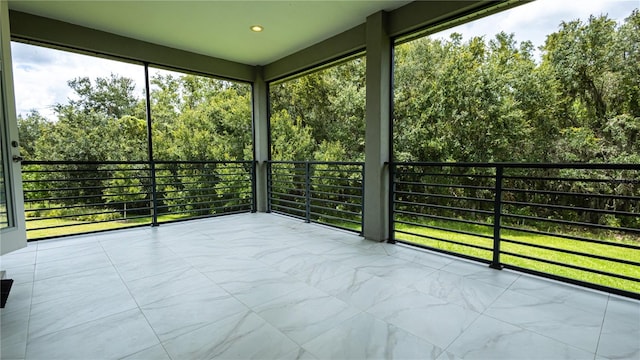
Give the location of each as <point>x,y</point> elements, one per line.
<point>269,287</point>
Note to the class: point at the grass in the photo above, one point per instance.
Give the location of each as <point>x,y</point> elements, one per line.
<point>71,227</point>
<point>611,251</point>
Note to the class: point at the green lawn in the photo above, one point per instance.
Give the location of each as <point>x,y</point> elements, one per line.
<point>534,239</point>
<point>70,227</point>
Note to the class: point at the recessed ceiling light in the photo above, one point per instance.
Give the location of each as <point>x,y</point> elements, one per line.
<point>256,28</point>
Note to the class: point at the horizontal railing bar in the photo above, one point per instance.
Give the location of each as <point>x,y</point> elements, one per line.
<point>27,181</point>
<point>444,207</point>
<point>290,195</point>
<point>276,181</point>
<point>443,218</point>
<point>88,223</point>
<point>65,162</point>
<point>442,251</point>
<point>440,239</point>
<point>448,186</point>
<point>77,197</point>
<point>334,218</point>
<point>575,223</point>
<point>572,208</point>
<point>336,194</point>
<point>92,205</point>
<point>575,267</point>
<point>198,217</point>
<point>334,209</point>
<point>113,211</point>
<point>480,176</point>
<point>565,279</point>
<point>572,252</point>
<point>316,162</point>
<point>517,165</point>
<point>466,198</point>
<point>573,237</point>
<point>167,206</point>
<point>207,209</point>
<point>564,193</point>
<point>341,187</point>
<point>336,202</point>
<point>444,229</point>
<point>316,177</point>
<point>589,180</point>
<point>288,208</point>
<point>286,201</point>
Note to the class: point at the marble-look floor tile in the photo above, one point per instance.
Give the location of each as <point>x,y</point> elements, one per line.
<point>87,295</point>
<point>138,269</point>
<point>175,283</point>
<point>156,352</point>
<point>570,325</point>
<point>472,294</point>
<point>68,252</point>
<point>305,314</point>
<point>398,271</point>
<point>427,317</point>
<point>92,281</point>
<point>420,256</point>
<point>19,298</point>
<point>445,355</point>
<point>354,256</point>
<point>360,288</point>
<point>16,259</point>
<point>319,269</point>
<point>96,339</point>
<point>13,333</point>
<point>483,273</point>
<point>299,354</point>
<point>571,296</point>
<point>65,266</point>
<point>20,274</point>
<point>488,338</point>
<point>260,286</point>
<point>241,336</point>
<point>177,315</point>
<point>620,337</point>
<point>365,337</point>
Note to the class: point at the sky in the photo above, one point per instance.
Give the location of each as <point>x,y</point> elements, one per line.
<point>41,74</point>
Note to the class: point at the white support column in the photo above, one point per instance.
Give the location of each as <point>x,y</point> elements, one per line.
<point>376,176</point>
<point>261,137</point>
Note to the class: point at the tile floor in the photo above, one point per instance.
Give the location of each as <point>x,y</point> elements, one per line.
<point>261,286</point>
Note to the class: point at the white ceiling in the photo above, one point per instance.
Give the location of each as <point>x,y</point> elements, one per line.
<point>217,28</point>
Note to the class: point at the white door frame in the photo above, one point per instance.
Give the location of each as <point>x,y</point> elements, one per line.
<point>14,236</point>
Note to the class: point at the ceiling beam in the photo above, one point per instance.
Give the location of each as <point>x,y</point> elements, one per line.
<point>58,33</point>
<point>343,44</point>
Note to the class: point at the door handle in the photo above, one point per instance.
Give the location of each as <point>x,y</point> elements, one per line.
<point>17,158</point>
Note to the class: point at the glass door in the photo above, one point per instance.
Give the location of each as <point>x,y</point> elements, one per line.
<point>12,225</point>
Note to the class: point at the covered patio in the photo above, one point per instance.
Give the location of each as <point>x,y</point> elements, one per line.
<point>266,286</point>
<point>240,280</point>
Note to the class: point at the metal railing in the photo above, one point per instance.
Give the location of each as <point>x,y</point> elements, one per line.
<point>75,197</point>
<point>329,193</point>
<point>578,223</point>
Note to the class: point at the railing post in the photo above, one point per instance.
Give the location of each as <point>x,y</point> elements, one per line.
<point>154,194</point>
<point>269,184</point>
<point>307,182</point>
<point>392,188</point>
<point>253,186</point>
<point>362,200</point>
<point>152,163</point>
<point>497,212</point>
